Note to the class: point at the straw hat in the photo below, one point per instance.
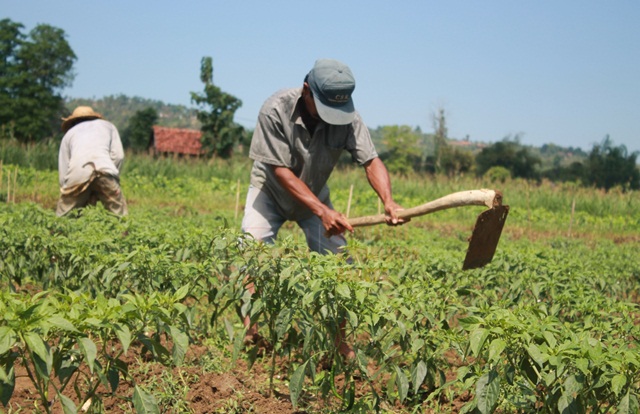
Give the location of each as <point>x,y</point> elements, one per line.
<point>81,113</point>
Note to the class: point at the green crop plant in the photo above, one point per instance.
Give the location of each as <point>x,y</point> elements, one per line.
<point>526,360</point>
<point>52,335</point>
<point>550,324</point>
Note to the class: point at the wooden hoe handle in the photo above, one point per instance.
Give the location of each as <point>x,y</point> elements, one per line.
<point>483,197</point>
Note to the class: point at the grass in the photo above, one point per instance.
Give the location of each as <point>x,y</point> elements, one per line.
<point>200,186</point>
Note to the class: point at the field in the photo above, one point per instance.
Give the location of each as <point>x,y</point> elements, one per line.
<point>142,313</point>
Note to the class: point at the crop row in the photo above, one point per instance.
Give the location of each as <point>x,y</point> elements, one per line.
<point>546,327</point>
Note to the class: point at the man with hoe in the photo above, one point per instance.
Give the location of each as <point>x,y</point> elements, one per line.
<point>89,163</point>
<point>297,142</point>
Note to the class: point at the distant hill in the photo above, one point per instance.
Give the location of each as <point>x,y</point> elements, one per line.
<point>119,108</point>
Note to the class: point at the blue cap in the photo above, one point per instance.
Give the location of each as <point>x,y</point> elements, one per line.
<point>332,84</point>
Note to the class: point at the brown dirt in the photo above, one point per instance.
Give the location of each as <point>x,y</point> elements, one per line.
<point>190,389</point>
<point>237,390</point>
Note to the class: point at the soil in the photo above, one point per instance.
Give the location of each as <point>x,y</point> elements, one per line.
<point>183,389</point>
<point>190,389</point>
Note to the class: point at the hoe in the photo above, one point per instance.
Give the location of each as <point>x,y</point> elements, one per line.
<point>486,232</point>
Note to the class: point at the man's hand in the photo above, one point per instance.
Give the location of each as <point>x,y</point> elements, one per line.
<point>334,222</point>
<point>378,177</point>
<point>392,219</point>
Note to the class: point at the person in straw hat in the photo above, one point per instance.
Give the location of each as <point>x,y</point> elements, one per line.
<point>89,163</point>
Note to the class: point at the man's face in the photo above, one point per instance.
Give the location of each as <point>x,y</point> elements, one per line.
<point>309,103</point>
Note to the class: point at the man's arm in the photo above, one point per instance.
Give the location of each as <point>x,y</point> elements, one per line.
<point>378,177</point>
<point>333,221</point>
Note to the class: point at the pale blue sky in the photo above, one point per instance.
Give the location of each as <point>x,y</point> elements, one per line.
<point>551,71</point>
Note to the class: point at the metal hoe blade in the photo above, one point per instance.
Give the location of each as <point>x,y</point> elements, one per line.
<point>485,237</point>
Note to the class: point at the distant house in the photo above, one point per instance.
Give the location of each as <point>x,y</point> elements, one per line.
<point>176,141</point>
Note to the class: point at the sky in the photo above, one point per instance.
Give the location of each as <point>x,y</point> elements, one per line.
<point>565,72</point>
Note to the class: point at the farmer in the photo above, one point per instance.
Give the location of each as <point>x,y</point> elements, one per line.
<point>298,139</point>
<point>89,163</point>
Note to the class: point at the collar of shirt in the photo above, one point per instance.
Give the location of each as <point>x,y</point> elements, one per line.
<point>300,116</point>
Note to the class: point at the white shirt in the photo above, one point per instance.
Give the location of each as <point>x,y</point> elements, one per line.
<point>89,145</point>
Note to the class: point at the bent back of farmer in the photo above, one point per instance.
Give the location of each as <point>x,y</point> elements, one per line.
<point>89,163</point>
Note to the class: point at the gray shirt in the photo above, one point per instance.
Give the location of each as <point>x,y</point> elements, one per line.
<point>89,145</point>
<point>281,139</point>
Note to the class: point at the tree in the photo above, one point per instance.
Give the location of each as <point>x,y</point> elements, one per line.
<point>510,155</point>
<point>608,166</point>
<point>574,172</point>
<point>34,69</point>
<point>10,39</point>
<point>216,111</point>
<point>455,161</point>
<point>403,152</point>
<point>446,159</point>
<point>138,132</point>
<point>439,138</point>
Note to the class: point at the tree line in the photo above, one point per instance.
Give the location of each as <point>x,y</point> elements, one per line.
<point>35,68</point>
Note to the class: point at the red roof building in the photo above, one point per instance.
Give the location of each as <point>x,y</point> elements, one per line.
<point>176,141</point>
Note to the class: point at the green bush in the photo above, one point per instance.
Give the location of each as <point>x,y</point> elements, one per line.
<point>497,174</point>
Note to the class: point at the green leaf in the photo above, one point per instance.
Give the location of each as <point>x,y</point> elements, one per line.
<point>551,340</point>
<point>583,365</point>
<point>617,383</point>
<point>228,325</point>
<point>477,339</point>
<point>93,321</point>
<point>180,345</point>
<point>89,350</point>
<point>144,403</point>
<point>61,323</point>
<point>36,344</point>
<point>181,293</point>
<point>238,345</point>
<point>418,375</point>
<point>469,321</point>
<point>573,385</point>
<point>283,322</point>
<point>536,354</point>
<point>296,383</point>
<point>101,373</point>
<point>469,407</point>
<point>402,383</point>
<point>113,376</point>
<point>124,336</point>
<point>7,384</point>
<point>343,290</point>
<point>567,404</point>
<point>487,392</point>
<point>628,404</point>
<point>362,360</point>
<point>495,349</point>
<point>8,338</point>
<point>68,406</point>
<point>416,345</point>
<point>352,318</point>
<point>43,360</point>
<point>462,372</point>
